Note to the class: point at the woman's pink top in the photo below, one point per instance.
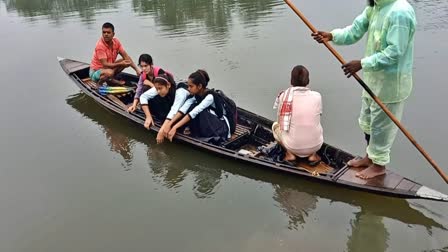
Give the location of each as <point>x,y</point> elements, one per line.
<point>305,130</point>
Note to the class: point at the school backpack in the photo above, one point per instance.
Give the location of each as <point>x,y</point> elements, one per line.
<point>182,84</point>
<point>231,110</point>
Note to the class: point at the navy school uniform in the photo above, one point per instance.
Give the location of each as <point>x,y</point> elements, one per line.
<point>205,123</point>
<point>162,108</point>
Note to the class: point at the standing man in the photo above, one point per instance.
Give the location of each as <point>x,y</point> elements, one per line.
<point>104,65</point>
<point>387,68</point>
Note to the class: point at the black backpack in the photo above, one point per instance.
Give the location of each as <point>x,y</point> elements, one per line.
<point>182,85</point>
<point>231,110</point>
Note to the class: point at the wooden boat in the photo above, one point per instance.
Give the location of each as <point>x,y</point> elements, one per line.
<point>253,132</point>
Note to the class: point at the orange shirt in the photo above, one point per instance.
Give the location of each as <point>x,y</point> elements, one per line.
<point>104,51</point>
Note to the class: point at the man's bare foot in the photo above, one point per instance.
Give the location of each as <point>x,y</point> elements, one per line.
<point>372,171</point>
<point>363,162</point>
<point>314,158</point>
<point>289,156</point>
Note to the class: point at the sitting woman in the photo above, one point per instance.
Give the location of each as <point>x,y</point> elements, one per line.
<point>298,129</point>
<point>162,101</point>
<point>145,82</point>
<point>203,113</point>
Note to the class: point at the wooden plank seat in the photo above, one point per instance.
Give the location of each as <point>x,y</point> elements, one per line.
<point>238,138</point>
<point>90,83</point>
<point>321,168</point>
<point>239,131</point>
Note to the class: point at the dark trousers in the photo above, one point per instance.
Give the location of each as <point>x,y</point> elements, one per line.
<point>207,125</point>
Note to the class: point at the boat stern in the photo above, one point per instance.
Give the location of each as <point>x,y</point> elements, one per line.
<point>428,193</point>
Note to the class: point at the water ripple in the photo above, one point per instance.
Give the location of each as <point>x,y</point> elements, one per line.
<point>210,20</point>
<point>431,14</point>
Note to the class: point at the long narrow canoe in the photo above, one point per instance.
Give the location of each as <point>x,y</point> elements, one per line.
<point>254,131</point>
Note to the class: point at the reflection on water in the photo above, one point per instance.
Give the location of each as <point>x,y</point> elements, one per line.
<point>164,160</point>
<point>170,166</point>
<point>298,204</point>
<point>205,17</point>
<point>209,18</point>
<point>367,225</point>
<point>58,10</point>
<point>295,204</point>
<point>431,14</point>
<point>216,16</point>
<point>170,169</point>
<point>120,144</point>
<point>164,168</point>
<point>206,180</point>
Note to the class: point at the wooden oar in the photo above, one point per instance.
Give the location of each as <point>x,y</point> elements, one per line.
<point>374,97</point>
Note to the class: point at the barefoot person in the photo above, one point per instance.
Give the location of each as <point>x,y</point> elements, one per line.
<point>104,65</point>
<point>298,129</point>
<point>387,68</point>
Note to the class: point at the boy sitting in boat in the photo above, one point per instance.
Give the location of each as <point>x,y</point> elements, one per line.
<point>145,82</point>
<point>298,129</point>
<point>204,112</point>
<point>104,65</point>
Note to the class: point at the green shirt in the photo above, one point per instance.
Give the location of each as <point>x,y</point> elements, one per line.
<point>389,55</point>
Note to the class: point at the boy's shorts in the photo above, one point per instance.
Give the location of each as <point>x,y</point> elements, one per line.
<point>95,75</point>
